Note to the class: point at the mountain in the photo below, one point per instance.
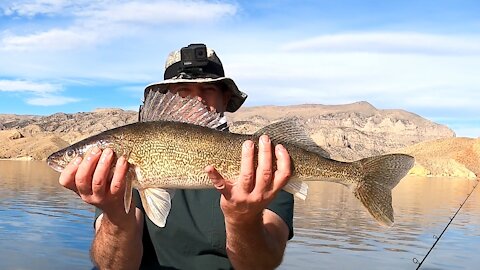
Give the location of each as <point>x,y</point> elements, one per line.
<point>346,132</point>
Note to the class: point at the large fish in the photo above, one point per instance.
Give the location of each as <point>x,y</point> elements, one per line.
<point>172,151</point>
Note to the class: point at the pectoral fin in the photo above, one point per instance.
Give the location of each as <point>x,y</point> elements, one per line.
<point>127,198</point>
<point>157,204</point>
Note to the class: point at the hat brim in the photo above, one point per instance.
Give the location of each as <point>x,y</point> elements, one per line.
<point>236,100</point>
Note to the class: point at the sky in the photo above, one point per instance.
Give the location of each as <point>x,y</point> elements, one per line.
<point>76,56</point>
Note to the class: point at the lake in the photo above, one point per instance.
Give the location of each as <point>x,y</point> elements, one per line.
<point>44,226</point>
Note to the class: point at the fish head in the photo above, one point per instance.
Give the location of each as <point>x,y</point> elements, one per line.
<point>60,159</point>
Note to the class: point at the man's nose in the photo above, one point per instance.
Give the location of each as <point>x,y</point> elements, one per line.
<point>195,92</point>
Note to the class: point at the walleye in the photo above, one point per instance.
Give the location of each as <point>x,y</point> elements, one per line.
<point>172,151</point>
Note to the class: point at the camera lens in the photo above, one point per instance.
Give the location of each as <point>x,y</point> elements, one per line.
<point>200,53</point>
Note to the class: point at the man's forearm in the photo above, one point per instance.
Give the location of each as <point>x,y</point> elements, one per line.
<point>117,247</point>
<point>255,246</point>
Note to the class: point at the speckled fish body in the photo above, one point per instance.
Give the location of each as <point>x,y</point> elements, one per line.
<point>169,155</point>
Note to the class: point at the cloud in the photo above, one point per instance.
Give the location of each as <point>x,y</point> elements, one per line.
<point>26,86</point>
<point>51,100</point>
<point>97,22</point>
<point>44,94</point>
<point>31,8</point>
<point>428,84</point>
<point>158,12</point>
<point>55,39</point>
<point>389,42</point>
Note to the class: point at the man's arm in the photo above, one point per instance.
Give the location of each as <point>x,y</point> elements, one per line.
<point>118,247</point>
<point>256,237</point>
<point>260,245</point>
<point>118,239</point>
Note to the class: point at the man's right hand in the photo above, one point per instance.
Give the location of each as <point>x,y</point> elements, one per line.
<point>90,178</point>
<point>118,241</point>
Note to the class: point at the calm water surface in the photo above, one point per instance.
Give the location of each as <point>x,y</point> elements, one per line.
<point>44,226</point>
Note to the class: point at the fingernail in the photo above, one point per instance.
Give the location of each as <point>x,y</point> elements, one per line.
<point>106,154</point>
<point>77,160</point>
<point>265,139</point>
<point>121,160</point>
<point>248,144</point>
<point>279,148</point>
<point>95,150</point>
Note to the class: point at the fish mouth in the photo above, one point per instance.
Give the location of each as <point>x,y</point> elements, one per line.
<point>55,166</point>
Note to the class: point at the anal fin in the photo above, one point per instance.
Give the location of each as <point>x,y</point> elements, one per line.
<point>298,188</point>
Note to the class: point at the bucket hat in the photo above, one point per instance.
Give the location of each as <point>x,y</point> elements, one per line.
<point>209,69</point>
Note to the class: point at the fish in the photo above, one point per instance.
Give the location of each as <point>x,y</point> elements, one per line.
<point>178,137</point>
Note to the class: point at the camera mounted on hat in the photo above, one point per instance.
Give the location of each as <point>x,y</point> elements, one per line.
<point>194,63</point>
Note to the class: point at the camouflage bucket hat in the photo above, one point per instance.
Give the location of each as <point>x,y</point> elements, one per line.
<point>210,71</point>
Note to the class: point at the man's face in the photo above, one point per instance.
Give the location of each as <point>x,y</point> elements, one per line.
<point>208,93</point>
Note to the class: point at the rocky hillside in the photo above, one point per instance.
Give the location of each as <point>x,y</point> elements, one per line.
<point>346,132</point>
<point>36,137</point>
<point>456,157</point>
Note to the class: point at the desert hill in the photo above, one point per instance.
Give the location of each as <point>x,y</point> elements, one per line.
<point>456,157</point>
<point>346,132</point>
<point>350,131</point>
<point>35,137</point>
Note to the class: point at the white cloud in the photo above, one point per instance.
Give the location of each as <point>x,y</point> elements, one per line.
<point>54,39</point>
<point>27,86</point>
<point>431,85</point>
<point>51,100</point>
<point>34,7</point>
<point>43,94</point>
<point>389,42</point>
<point>101,21</point>
<point>158,12</point>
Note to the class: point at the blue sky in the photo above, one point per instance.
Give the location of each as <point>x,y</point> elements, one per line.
<point>420,56</point>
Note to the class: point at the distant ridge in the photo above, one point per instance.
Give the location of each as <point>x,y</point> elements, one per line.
<point>346,132</point>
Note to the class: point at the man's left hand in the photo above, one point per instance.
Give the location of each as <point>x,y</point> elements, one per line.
<point>244,200</point>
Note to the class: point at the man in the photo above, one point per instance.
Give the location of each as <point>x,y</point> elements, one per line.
<point>242,225</point>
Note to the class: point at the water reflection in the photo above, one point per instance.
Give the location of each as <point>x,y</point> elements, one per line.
<point>44,226</point>
<point>334,231</point>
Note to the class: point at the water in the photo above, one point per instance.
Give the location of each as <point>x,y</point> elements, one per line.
<point>44,226</point>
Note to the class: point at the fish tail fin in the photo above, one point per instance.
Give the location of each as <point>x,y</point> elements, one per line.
<point>382,174</point>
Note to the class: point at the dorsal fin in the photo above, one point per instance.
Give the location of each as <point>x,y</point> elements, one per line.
<point>172,107</point>
<point>288,131</point>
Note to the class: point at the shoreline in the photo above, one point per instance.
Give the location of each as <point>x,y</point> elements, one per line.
<point>25,158</point>
<point>411,173</point>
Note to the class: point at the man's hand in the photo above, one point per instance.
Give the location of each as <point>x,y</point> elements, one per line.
<point>90,178</point>
<point>244,200</point>
<point>118,239</point>
<point>256,238</point>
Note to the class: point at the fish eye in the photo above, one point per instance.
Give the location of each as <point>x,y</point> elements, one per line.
<point>70,154</point>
